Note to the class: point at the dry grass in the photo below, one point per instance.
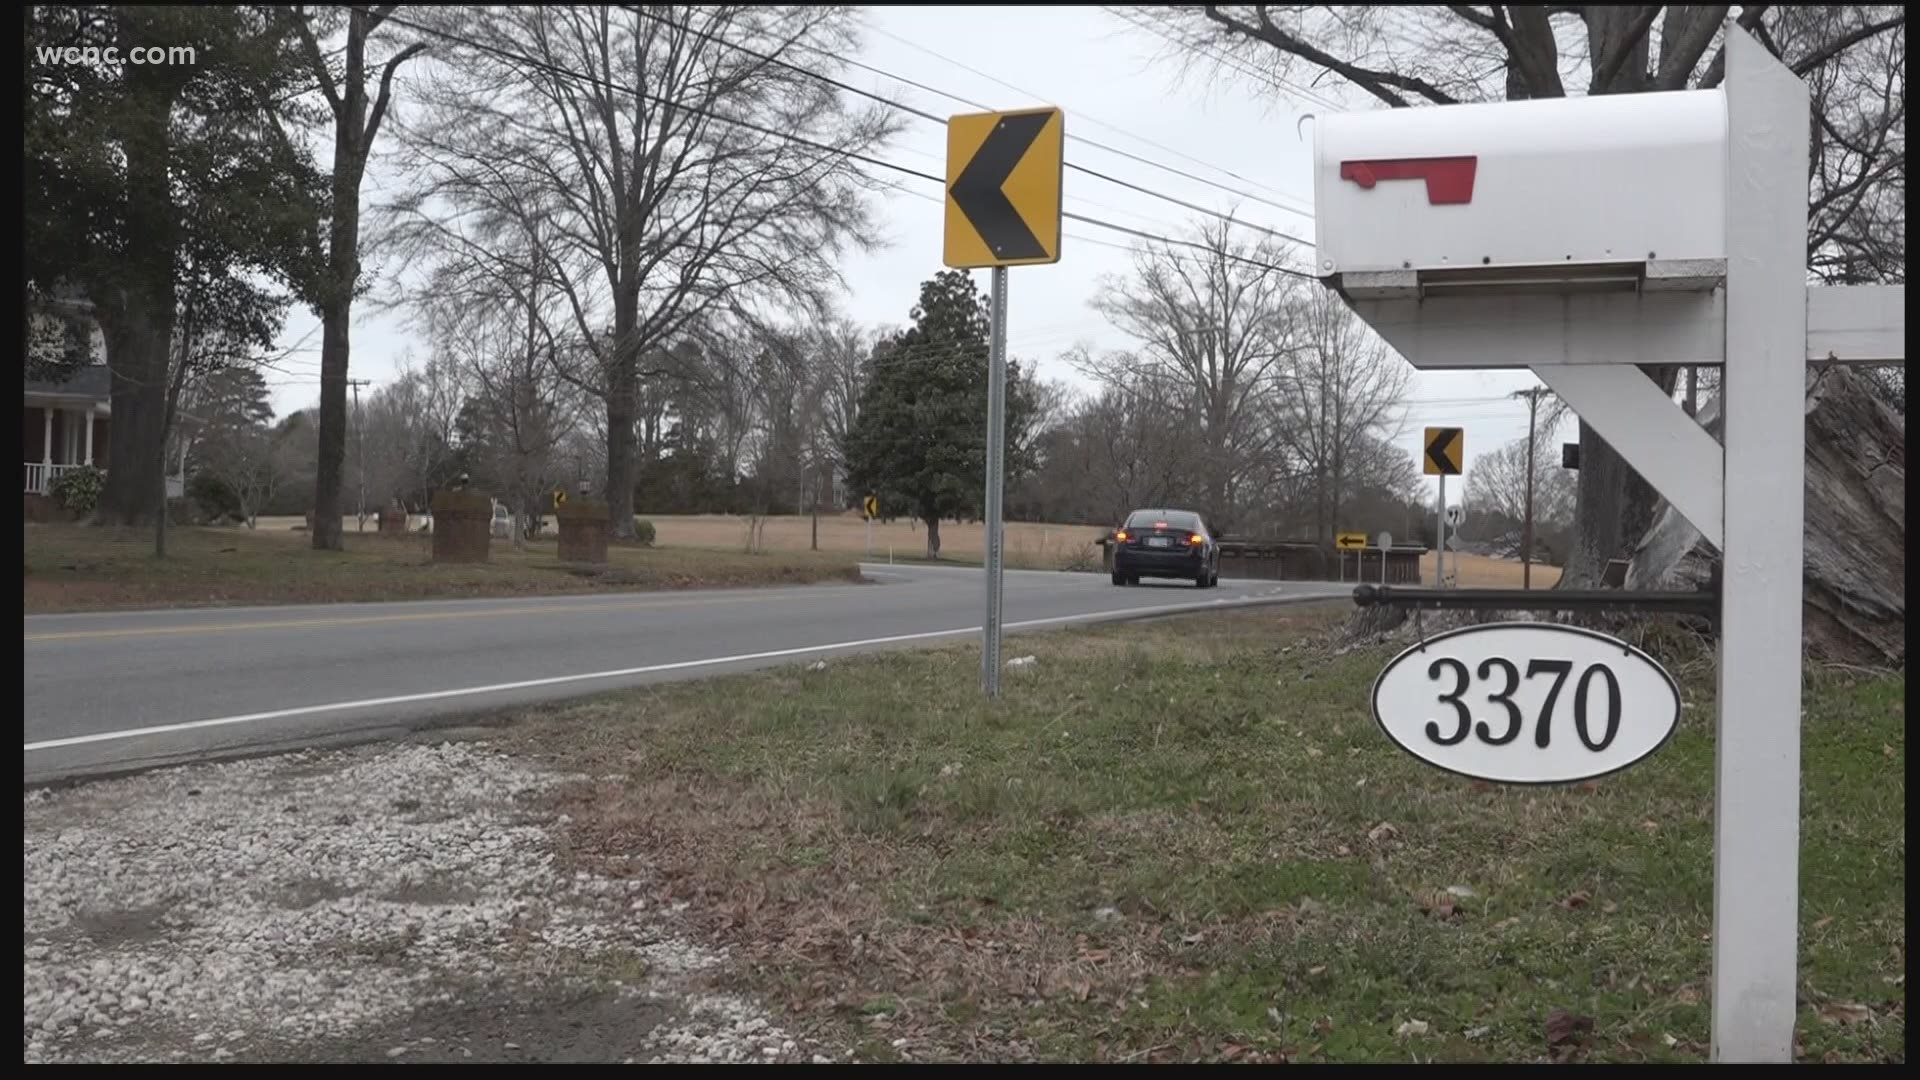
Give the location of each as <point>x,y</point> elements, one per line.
<point>1027,543</point>
<point>1182,840</point>
<point>1481,572</point>
<point>76,568</point>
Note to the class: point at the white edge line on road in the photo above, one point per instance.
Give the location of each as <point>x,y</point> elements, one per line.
<point>650,669</point>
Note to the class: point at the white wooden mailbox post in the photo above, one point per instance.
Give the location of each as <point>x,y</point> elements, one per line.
<point>1579,238</point>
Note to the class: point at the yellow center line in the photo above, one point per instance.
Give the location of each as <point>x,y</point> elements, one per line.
<point>365,620</point>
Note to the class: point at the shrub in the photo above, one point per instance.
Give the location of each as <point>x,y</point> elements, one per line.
<point>78,490</point>
<point>643,532</point>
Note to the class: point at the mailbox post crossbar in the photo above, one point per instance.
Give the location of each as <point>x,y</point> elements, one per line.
<point>1703,602</point>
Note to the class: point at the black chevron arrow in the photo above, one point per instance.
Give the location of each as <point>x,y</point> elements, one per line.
<point>977,190</point>
<point>1437,450</point>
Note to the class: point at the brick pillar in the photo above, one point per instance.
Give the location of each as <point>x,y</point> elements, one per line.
<point>585,526</point>
<point>462,526</point>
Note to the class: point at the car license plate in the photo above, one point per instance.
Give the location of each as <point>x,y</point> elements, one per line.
<point>1159,541</point>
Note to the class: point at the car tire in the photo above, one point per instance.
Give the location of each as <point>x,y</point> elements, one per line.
<point>1119,578</point>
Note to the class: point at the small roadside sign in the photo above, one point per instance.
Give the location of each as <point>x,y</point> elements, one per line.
<point>871,506</point>
<point>1384,541</point>
<point>559,498</point>
<point>1350,541</point>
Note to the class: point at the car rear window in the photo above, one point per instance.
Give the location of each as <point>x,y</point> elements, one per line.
<point>1177,519</point>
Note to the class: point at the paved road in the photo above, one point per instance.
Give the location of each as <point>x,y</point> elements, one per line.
<point>122,690</point>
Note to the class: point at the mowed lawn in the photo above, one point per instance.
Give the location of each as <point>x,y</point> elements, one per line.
<point>1185,840</point>
<point>80,568</point>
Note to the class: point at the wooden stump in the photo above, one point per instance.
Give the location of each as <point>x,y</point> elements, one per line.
<point>462,526</point>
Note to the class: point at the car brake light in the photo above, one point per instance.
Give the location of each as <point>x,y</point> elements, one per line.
<point>1121,535</point>
<point>1196,538</point>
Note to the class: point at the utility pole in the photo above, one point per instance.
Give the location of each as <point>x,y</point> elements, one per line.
<point>1533,397</point>
<point>360,437</point>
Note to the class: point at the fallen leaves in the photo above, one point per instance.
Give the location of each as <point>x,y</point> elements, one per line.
<point>1574,901</point>
<point>1382,834</point>
<point>1412,1029</point>
<point>1437,903</point>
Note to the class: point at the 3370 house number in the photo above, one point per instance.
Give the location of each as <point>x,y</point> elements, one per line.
<point>1526,703</point>
<point>1500,666</point>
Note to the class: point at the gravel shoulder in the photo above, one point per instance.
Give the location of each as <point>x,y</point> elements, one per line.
<point>401,902</point>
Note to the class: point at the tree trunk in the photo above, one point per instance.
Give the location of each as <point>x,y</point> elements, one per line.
<point>1613,507</point>
<point>336,298</point>
<point>1856,533</point>
<point>621,411</point>
<point>138,350</point>
<point>336,317</point>
<point>137,312</point>
<point>933,536</point>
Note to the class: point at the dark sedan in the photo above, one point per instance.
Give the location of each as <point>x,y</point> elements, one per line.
<point>1165,544</point>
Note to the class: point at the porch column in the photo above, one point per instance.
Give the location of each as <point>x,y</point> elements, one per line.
<point>88,459</point>
<point>46,438</point>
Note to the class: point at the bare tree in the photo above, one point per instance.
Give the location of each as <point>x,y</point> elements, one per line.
<point>1497,489</point>
<point>495,324</point>
<point>1135,444</point>
<point>1214,329</point>
<point>682,174</point>
<point>1337,400</point>
<point>1852,56</point>
<point>356,121</point>
<point>840,352</point>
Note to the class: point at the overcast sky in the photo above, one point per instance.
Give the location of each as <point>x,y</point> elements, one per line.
<point>1117,88</point>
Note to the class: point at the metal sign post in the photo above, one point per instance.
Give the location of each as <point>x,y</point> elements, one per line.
<point>1004,173</point>
<point>1440,549</point>
<point>996,482</point>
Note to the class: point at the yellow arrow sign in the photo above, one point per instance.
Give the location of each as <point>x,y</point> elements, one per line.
<point>559,497</point>
<point>1004,173</point>
<point>1446,449</point>
<point>1350,541</point>
<point>872,506</point>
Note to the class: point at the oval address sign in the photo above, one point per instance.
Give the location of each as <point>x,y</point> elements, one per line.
<point>1526,703</point>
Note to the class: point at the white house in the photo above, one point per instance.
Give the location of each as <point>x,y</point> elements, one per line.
<point>67,425</point>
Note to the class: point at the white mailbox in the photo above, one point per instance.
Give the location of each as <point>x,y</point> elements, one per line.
<point>1616,192</point>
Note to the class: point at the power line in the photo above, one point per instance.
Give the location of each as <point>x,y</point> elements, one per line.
<point>852,155</point>
<point>1095,120</point>
<point>924,115</point>
<point>1132,232</point>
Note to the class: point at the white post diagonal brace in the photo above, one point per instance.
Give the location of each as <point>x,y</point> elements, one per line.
<point>1655,435</point>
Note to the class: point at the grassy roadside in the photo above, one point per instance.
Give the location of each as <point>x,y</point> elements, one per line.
<point>1183,840</point>
<point>75,568</point>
